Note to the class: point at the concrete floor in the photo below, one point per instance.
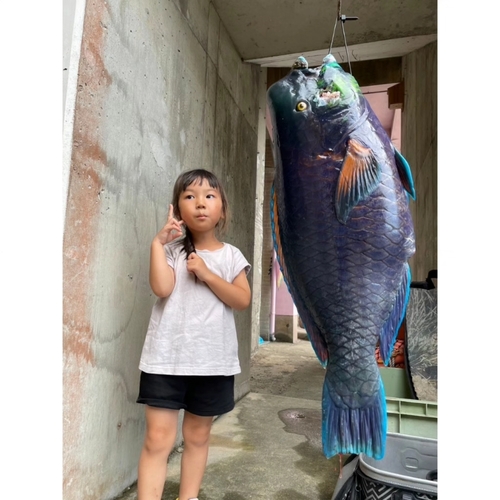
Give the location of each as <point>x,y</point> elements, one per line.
<point>269,446</point>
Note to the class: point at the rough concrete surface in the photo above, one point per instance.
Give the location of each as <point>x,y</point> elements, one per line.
<point>269,446</point>
<point>145,106</point>
<point>286,369</point>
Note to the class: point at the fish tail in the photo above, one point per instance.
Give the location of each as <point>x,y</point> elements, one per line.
<point>354,430</point>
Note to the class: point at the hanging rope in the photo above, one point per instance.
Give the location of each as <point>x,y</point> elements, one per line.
<point>343,19</point>
<point>335,26</point>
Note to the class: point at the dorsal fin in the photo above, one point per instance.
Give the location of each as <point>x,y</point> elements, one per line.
<point>405,173</point>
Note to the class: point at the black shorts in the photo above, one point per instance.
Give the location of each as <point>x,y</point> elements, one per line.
<point>206,396</point>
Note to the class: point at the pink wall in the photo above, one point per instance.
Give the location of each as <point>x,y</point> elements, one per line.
<point>284,305</point>
<point>284,302</point>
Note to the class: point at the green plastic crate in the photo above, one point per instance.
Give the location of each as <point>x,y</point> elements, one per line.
<point>404,414</point>
<point>412,417</point>
<point>395,382</point>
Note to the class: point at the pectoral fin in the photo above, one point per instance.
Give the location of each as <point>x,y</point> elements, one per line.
<point>359,176</point>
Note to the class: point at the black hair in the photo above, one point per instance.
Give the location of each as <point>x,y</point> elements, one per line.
<point>184,180</point>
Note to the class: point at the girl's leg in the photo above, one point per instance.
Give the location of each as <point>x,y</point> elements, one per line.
<point>161,430</point>
<point>196,433</point>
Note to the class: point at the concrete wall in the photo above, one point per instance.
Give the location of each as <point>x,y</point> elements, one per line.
<point>160,88</point>
<point>419,146</point>
<point>68,31</point>
<point>267,247</point>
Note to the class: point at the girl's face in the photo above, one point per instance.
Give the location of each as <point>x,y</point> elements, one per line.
<point>200,206</point>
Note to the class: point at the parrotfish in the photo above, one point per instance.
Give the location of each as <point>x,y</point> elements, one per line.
<point>343,234</point>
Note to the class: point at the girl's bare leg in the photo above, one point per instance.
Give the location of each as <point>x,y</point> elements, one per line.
<point>196,433</point>
<point>161,431</point>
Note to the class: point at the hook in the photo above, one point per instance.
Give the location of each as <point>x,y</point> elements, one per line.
<point>348,18</point>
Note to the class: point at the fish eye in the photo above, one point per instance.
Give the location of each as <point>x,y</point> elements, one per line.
<point>301,106</point>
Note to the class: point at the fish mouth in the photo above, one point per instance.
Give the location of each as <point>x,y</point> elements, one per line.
<point>327,93</point>
<point>329,96</point>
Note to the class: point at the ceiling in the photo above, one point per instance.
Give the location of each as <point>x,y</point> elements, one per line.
<point>275,32</point>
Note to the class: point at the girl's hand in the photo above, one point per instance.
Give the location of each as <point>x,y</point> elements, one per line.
<point>195,264</point>
<point>171,230</point>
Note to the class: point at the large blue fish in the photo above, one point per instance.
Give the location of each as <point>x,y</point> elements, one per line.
<point>343,234</point>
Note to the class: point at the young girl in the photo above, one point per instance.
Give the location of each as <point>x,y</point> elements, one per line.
<point>190,353</point>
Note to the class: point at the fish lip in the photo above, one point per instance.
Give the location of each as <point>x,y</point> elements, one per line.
<point>329,96</point>
<point>325,95</point>
<point>326,99</point>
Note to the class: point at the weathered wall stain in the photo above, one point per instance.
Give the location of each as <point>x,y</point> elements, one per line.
<point>88,160</point>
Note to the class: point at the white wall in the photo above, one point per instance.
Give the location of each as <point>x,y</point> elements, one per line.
<point>73,14</point>
<point>160,88</point>
<point>69,8</point>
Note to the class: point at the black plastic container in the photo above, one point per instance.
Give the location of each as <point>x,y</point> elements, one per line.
<point>408,471</point>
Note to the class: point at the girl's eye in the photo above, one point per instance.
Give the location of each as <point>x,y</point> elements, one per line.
<point>210,196</point>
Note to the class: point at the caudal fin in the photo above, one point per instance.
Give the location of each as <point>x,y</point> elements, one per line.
<point>354,430</point>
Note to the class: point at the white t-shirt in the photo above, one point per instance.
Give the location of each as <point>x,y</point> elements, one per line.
<point>192,332</point>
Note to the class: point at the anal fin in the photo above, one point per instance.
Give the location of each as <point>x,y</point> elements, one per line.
<point>390,330</point>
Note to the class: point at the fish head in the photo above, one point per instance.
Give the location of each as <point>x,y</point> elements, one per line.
<point>312,108</point>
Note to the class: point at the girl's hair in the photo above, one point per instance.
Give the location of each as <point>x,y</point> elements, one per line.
<point>181,184</point>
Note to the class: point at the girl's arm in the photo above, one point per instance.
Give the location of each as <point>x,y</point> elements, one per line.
<point>161,275</point>
<point>236,295</point>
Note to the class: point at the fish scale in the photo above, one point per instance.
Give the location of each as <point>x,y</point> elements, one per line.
<point>343,235</point>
